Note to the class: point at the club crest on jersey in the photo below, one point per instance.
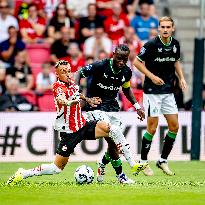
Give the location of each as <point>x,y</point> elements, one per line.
<point>64,148</point>
<point>174,49</point>
<point>159,50</point>
<point>59,90</point>
<point>142,50</point>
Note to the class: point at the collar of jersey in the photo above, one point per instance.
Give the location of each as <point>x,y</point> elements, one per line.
<point>111,63</point>
<point>166,44</point>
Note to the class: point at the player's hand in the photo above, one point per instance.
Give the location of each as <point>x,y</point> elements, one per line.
<point>157,81</point>
<point>182,84</point>
<point>141,114</point>
<point>94,101</point>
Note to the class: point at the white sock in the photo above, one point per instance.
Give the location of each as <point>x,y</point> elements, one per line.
<point>43,169</point>
<point>143,161</point>
<point>122,144</point>
<point>162,160</point>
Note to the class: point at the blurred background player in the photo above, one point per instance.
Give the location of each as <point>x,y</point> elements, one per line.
<point>107,76</point>
<point>161,57</point>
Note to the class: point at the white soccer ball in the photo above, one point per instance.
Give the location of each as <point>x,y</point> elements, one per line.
<point>84,174</point>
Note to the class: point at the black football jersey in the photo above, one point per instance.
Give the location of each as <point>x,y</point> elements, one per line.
<point>105,83</point>
<point>159,59</point>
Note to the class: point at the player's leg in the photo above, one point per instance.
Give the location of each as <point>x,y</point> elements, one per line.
<point>152,105</point>
<point>169,140</point>
<point>170,112</point>
<point>65,148</point>
<point>44,169</point>
<point>115,133</point>
<point>152,123</point>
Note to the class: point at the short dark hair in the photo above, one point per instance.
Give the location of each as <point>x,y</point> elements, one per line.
<point>122,48</point>
<point>61,62</point>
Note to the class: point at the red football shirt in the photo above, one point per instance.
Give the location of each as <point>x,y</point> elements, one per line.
<point>115,29</point>
<point>69,118</point>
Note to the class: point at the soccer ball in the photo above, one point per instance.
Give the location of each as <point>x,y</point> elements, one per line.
<point>84,174</point>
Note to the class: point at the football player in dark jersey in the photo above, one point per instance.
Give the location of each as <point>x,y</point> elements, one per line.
<point>107,76</point>
<point>161,57</point>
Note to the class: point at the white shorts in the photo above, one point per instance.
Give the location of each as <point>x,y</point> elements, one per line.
<point>157,104</point>
<point>108,117</point>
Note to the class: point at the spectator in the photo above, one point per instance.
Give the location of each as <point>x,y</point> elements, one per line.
<point>115,24</point>
<point>45,79</point>
<point>102,55</point>
<point>50,7</point>
<point>79,8</point>
<point>153,33</point>
<point>12,100</point>
<point>59,20</point>
<point>88,24</point>
<point>22,72</point>
<point>10,47</point>
<point>137,77</point>
<point>33,28</point>
<point>21,8</point>
<point>105,7</point>
<point>59,49</point>
<point>132,7</point>
<point>75,57</point>
<point>93,45</point>
<point>130,37</point>
<point>143,22</point>
<point>6,20</point>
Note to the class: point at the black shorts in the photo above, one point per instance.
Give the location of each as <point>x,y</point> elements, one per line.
<point>69,141</point>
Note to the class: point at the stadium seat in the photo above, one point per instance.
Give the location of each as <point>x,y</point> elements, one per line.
<point>46,102</point>
<point>38,54</point>
<point>126,105</point>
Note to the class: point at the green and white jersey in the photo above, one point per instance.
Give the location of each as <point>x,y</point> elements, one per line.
<point>159,59</point>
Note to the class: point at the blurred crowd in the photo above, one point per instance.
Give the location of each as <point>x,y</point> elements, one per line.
<point>34,34</point>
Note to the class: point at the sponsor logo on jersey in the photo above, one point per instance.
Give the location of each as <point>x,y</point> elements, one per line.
<point>174,49</point>
<point>107,87</point>
<point>159,50</point>
<point>167,59</point>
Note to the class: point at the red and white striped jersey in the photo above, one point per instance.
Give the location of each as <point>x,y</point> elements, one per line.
<point>69,118</point>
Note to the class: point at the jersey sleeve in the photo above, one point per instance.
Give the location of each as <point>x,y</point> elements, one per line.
<point>144,52</point>
<point>88,70</point>
<point>57,89</point>
<point>128,76</point>
<point>178,52</point>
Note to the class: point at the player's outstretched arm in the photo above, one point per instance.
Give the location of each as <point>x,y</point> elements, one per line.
<point>94,101</point>
<point>61,99</point>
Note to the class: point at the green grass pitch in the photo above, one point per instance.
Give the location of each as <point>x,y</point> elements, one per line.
<point>187,187</point>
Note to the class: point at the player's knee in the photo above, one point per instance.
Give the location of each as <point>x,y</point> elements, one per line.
<point>151,129</point>
<point>104,126</point>
<point>174,127</point>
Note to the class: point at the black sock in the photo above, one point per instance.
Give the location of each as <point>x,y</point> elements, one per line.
<point>168,144</point>
<point>106,158</point>
<point>146,145</point>
<point>117,165</point>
